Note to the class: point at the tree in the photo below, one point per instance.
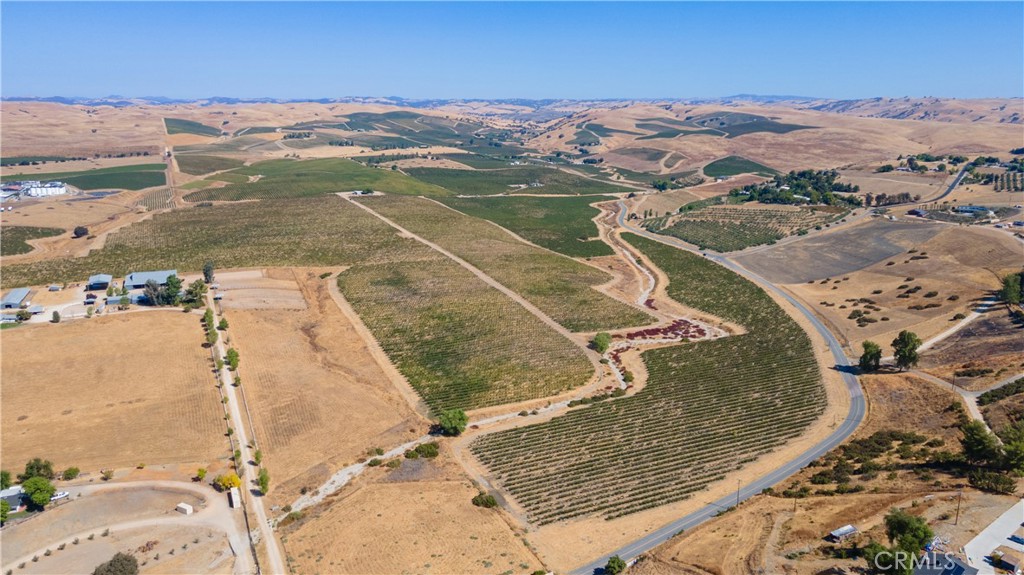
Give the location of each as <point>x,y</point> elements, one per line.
<point>871,359</point>
<point>905,349</point>
<point>37,468</point>
<point>195,292</point>
<point>909,532</point>
<point>23,315</point>
<point>70,473</point>
<point>208,272</point>
<point>223,325</point>
<point>228,481</point>
<point>152,291</point>
<point>878,556</point>
<point>601,342</point>
<point>264,481</point>
<point>453,421</point>
<point>55,318</point>
<point>980,446</point>
<point>615,565</point>
<point>201,473</point>
<point>485,500</point>
<point>81,231</point>
<point>257,456</point>
<point>211,337</point>
<point>119,564</point>
<point>1011,292</point>
<point>172,293</point>
<point>5,479</point>
<point>233,359</point>
<point>5,508</point>
<point>39,490</point>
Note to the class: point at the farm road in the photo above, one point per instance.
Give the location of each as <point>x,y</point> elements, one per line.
<point>849,425</point>
<point>984,306</point>
<point>970,397</point>
<point>216,514</point>
<point>243,444</point>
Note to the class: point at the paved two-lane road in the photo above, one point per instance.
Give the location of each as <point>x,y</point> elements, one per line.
<point>849,425</point>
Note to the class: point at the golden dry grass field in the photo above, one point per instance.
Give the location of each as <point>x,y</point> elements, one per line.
<point>113,391</point>
<point>319,400</point>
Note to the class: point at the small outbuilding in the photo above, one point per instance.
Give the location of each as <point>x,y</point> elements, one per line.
<point>1007,559</point>
<point>843,533</point>
<point>16,298</point>
<point>15,497</point>
<point>942,564</point>
<point>184,508</point>
<point>99,281</point>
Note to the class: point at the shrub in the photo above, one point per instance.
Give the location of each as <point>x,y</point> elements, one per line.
<point>485,500</point>
<point>69,473</point>
<point>374,462</point>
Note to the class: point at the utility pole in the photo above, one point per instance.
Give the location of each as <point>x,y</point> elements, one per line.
<point>959,499</point>
<point>737,492</point>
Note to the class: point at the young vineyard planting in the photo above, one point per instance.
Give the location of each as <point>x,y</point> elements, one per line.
<point>708,408</point>
<point>460,342</point>
<point>558,285</point>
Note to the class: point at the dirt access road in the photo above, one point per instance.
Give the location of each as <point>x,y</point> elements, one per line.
<point>216,514</point>
<point>240,424</point>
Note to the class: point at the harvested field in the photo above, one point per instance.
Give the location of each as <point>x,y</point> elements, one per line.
<point>559,286</point>
<point>124,389</point>
<point>427,527</point>
<point>130,177</point>
<point>301,370</point>
<point>729,228</point>
<point>326,231</point>
<point>687,428</point>
<point>560,224</point>
<point>838,252</point>
<point>460,342</point>
<point>253,290</point>
<point>61,213</point>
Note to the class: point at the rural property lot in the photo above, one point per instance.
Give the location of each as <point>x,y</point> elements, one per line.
<point>423,527</point>
<point>112,391</point>
<point>836,253</point>
<point>318,398</point>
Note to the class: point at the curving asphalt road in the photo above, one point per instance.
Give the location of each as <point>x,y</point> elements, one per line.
<point>853,419</point>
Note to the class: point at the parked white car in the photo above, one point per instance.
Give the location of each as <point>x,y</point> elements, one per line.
<point>59,495</point>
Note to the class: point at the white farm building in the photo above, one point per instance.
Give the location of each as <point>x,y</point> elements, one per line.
<point>38,190</point>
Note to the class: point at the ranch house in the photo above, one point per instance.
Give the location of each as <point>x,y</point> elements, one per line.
<point>137,280</point>
<point>15,299</point>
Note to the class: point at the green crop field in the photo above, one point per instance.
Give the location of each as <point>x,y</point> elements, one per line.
<point>708,408</point>
<point>559,286</point>
<point>12,238</point>
<point>726,229</point>
<point>460,342</point>
<point>133,177</point>
<point>297,179</point>
<point>199,165</point>
<point>326,231</point>
<point>178,126</point>
<point>511,181</point>
<point>604,131</point>
<point>734,166</point>
<point>560,224</point>
<point>478,162</point>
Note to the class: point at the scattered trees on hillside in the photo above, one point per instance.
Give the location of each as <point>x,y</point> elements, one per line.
<point>905,349</point>
<point>871,359</point>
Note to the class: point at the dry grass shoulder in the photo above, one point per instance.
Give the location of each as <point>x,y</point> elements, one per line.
<point>112,391</point>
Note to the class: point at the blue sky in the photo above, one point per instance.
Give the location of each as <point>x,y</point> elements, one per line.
<point>512,50</point>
